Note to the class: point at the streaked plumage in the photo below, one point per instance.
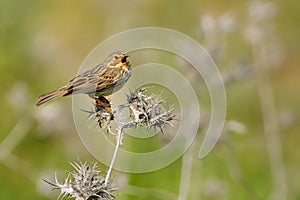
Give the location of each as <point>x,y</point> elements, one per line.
<point>102,80</point>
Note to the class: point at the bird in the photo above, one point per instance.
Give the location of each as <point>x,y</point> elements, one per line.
<point>102,80</point>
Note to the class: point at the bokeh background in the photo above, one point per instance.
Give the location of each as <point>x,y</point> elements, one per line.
<point>254,43</point>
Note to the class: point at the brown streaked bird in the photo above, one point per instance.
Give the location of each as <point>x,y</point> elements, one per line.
<point>102,80</point>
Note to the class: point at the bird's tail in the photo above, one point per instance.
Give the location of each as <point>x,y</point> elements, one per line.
<point>49,96</point>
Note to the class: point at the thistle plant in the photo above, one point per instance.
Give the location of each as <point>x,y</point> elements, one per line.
<point>87,182</point>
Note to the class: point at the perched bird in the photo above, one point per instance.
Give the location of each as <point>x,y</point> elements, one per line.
<point>102,80</point>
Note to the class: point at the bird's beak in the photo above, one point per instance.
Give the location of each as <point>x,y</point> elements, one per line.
<point>127,61</point>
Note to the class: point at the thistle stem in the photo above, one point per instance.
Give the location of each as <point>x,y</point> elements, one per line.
<point>119,140</point>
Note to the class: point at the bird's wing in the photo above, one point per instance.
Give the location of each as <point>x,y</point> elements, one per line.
<point>93,80</point>
<point>85,82</point>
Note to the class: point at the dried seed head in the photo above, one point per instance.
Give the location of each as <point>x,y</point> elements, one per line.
<point>149,111</point>
<point>86,182</point>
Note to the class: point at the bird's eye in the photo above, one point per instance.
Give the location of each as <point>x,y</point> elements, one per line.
<point>116,57</point>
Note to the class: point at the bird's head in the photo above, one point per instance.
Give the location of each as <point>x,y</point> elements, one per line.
<point>118,59</point>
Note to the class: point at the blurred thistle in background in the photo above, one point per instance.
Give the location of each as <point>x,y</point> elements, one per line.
<point>254,43</point>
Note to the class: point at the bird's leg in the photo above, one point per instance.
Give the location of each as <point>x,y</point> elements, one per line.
<point>102,102</point>
<point>103,112</point>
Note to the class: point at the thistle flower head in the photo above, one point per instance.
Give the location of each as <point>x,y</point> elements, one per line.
<point>86,182</point>
<point>149,111</point>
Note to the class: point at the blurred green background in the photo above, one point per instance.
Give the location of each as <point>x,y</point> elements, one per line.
<point>254,43</point>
